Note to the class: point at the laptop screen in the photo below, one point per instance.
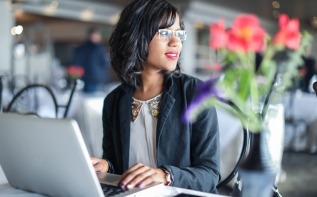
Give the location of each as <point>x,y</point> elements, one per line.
<point>46,156</point>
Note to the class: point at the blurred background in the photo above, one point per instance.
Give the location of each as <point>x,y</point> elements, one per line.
<point>38,39</point>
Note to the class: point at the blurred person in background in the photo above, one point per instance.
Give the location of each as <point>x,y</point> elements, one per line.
<point>308,71</point>
<point>92,57</point>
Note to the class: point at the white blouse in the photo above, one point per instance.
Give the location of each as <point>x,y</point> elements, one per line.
<point>143,131</point>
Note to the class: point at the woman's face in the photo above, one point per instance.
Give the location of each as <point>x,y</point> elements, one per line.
<point>163,53</point>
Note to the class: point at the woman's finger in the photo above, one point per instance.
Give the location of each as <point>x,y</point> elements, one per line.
<point>143,179</point>
<point>132,173</point>
<point>142,176</point>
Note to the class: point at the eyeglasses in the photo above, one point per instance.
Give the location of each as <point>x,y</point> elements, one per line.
<point>167,34</point>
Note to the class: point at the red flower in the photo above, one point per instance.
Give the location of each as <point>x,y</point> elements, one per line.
<point>238,82</point>
<point>75,71</point>
<point>215,67</point>
<point>218,35</point>
<point>246,34</point>
<point>288,34</point>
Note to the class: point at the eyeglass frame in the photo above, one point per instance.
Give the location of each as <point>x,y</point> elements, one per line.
<point>174,33</point>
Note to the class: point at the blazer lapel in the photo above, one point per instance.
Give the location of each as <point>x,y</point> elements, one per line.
<point>125,112</point>
<point>167,103</point>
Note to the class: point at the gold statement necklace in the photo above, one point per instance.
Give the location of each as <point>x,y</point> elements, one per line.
<point>154,105</point>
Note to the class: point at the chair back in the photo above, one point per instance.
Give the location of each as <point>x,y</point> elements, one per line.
<point>1,89</point>
<point>315,87</point>
<point>39,100</point>
<point>230,180</point>
<point>70,98</point>
<point>34,99</point>
<point>234,145</point>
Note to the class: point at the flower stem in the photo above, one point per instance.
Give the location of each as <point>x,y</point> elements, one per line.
<point>253,85</point>
<point>268,96</point>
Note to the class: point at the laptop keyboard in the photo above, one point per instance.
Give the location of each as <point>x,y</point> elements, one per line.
<point>110,190</point>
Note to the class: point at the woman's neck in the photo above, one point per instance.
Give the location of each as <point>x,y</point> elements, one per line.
<point>152,85</point>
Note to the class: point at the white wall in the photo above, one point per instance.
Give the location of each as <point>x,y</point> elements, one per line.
<point>189,47</point>
<point>7,21</point>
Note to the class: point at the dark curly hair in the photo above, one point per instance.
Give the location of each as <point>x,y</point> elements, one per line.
<point>129,42</point>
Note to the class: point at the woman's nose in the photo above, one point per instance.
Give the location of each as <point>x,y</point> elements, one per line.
<point>174,41</point>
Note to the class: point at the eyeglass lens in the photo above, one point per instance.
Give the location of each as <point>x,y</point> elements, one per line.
<point>167,34</point>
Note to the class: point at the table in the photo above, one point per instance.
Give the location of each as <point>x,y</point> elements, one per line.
<point>6,190</point>
<point>3,179</point>
<point>89,119</point>
<point>87,111</point>
<point>301,132</point>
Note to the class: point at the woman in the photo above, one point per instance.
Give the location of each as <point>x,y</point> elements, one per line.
<point>145,138</point>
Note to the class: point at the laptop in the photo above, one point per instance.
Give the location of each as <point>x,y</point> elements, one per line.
<point>49,157</point>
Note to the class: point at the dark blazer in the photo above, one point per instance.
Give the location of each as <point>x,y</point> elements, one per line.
<point>190,152</point>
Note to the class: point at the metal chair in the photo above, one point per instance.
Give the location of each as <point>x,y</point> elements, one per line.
<point>315,87</point>
<point>233,176</point>
<point>230,179</point>
<point>1,89</point>
<point>35,97</point>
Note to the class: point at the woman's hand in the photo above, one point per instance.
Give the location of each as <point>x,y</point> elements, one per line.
<point>100,165</point>
<point>140,175</point>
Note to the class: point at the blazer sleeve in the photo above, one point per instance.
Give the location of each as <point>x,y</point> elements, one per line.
<point>107,145</point>
<point>204,172</point>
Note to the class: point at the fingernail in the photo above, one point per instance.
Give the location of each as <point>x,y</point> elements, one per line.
<point>139,185</point>
<point>122,185</point>
<point>129,186</point>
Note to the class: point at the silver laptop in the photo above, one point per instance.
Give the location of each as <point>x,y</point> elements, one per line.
<point>49,157</point>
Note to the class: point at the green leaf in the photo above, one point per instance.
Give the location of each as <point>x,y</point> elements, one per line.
<point>244,80</point>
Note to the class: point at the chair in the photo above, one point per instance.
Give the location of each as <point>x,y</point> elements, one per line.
<point>39,100</point>
<point>230,180</point>
<point>17,81</point>
<point>2,176</point>
<point>1,89</point>
<point>229,172</point>
<point>315,87</point>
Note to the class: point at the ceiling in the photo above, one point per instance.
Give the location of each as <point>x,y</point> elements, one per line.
<point>304,10</point>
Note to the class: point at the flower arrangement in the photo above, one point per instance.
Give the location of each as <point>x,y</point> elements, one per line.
<point>75,72</point>
<point>244,84</point>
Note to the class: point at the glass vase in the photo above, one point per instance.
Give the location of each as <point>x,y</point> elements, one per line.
<point>258,171</point>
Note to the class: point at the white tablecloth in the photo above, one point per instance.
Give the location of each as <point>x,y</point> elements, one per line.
<point>301,133</point>
<point>3,179</point>
<point>87,111</point>
<point>89,118</point>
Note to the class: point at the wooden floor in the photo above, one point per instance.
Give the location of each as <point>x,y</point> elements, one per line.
<point>300,178</point>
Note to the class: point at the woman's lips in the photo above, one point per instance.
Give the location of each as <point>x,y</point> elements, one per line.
<point>172,55</point>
